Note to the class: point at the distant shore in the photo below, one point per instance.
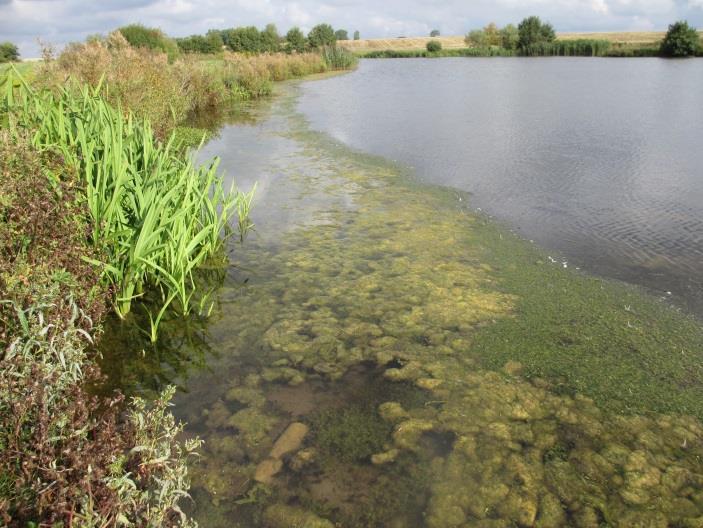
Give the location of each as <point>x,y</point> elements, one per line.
<point>623,39</point>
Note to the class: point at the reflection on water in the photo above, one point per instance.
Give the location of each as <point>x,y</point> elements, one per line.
<point>380,357</point>
<point>597,159</point>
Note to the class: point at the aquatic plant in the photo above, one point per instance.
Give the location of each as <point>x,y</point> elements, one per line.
<point>337,58</point>
<point>154,215</point>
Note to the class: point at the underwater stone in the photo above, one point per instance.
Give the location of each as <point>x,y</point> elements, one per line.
<point>408,433</point>
<point>290,440</point>
<point>428,383</point>
<point>302,459</point>
<point>267,469</point>
<point>392,412</point>
<point>385,457</point>
<point>282,516</point>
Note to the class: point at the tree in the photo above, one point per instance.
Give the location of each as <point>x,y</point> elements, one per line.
<point>243,39</point>
<point>434,46</point>
<point>214,41</point>
<point>532,31</point>
<point>295,40</point>
<point>8,52</point>
<point>341,34</point>
<point>476,38</point>
<point>492,35</point>
<point>509,37</point>
<point>357,36</point>
<point>680,41</point>
<point>434,33</point>
<point>322,35</point>
<point>270,40</point>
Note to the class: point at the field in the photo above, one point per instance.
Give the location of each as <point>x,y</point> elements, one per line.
<point>454,42</point>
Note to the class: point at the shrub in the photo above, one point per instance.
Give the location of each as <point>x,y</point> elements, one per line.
<point>137,79</point>
<point>681,40</point>
<point>322,35</point>
<point>357,35</point>
<point>8,52</point>
<point>434,46</point>
<point>341,34</point>
<point>476,38</point>
<point>532,31</point>
<point>140,36</point>
<point>295,40</point>
<point>434,33</point>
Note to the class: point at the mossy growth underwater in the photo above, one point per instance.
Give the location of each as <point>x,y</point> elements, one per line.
<point>385,357</point>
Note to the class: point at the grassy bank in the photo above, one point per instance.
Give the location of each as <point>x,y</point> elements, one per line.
<point>103,210</point>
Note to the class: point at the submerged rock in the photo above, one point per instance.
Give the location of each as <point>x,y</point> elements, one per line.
<point>282,516</point>
<point>290,440</point>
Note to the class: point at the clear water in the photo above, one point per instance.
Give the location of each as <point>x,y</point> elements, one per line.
<point>599,160</point>
<point>380,356</point>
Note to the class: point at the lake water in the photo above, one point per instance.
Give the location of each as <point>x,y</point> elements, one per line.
<point>380,356</point>
<point>598,160</point>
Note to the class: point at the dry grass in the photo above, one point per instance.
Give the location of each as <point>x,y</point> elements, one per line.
<point>419,43</point>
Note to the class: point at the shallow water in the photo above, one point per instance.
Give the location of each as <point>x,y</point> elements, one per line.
<point>599,160</point>
<point>380,356</point>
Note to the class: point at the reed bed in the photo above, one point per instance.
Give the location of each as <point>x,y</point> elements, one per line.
<point>568,48</point>
<point>153,214</point>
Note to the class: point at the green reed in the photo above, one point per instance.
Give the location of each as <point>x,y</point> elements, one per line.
<point>153,214</point>
<point>338,58</point>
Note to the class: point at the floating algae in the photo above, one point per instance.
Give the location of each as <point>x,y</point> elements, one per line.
<point>450,376</point>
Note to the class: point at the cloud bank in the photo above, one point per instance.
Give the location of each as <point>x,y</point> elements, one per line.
<point>63,21</point>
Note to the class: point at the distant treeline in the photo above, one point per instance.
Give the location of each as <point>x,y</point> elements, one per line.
<point>252,40</point>
<point>534,38</point>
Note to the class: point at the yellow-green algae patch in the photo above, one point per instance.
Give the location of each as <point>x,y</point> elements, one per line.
<point>495,388</point>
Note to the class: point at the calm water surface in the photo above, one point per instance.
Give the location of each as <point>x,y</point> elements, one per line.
<point>599,160</point>
<point>378,356</point>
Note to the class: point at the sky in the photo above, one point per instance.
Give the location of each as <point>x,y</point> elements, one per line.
<point>61,21</point>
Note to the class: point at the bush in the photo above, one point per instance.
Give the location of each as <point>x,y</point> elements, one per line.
<point>357,35</point>
<point>434,33</point>
<point>476,38</point>
<point>681,40</point>
<point>434,46</point>
<point>322,35</point>
<point>341,34</point>
<point>531,31</point>
<point>140,36</point>
<point>8,52</point>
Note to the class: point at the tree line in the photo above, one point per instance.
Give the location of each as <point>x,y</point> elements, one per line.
<point>534,37</point>
<point>250,39</point>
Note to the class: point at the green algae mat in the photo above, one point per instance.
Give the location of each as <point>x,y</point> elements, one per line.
<point>380,356</point>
